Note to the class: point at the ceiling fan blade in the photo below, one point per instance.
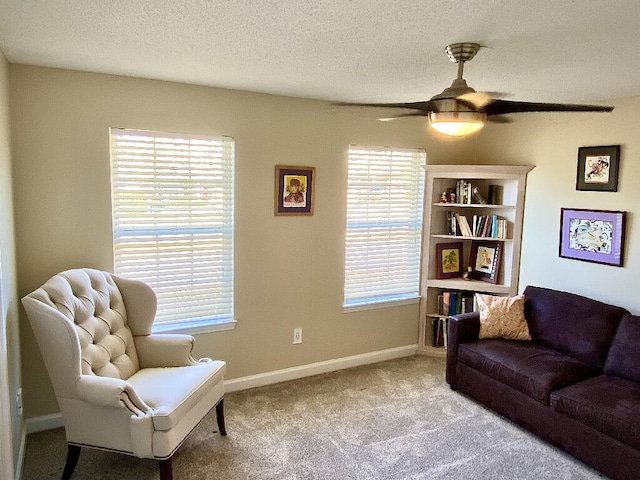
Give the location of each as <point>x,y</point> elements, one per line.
<point>499,119</point>
<point>426,106</point>
<point>501,107</point>
<point>403,115</point>
<point>475,100</point>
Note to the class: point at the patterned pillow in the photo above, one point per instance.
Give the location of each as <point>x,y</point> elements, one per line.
<point>502,317</point>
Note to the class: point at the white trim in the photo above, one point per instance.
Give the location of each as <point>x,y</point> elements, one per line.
<point>44,422</point>
<point>23,448</point>
<point>358,307</point>
<point>302,371</point>
<point>54,420</point>
<point>7,468</point>
<point>191,328</point>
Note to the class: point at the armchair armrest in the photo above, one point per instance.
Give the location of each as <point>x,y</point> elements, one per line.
<point>462,328</point>
<point>165,350</point>
<point>111,392</point>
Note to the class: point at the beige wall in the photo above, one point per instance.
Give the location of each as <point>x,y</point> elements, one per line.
<point>60,121</point>
<point>12,425</point>
<point>289,270</point>
<point>551,142</point>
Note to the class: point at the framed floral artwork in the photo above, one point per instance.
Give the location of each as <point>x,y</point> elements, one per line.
<point>592,235</point>
<point>449,260</point>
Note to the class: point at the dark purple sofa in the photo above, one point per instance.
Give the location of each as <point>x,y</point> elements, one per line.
<point>576,384</point>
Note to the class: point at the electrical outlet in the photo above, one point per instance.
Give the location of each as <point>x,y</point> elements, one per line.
<point>297,335</point>
<point>19,401</point>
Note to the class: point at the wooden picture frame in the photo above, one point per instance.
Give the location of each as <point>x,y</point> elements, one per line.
<point>294,190</point>
<point>598,168</point>
<point>592,235</point>
<point>484,260</point>
<point>449,258</point>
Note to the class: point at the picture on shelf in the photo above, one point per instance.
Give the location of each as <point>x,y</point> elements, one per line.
<point>484,261</point>
<point>449,260</point>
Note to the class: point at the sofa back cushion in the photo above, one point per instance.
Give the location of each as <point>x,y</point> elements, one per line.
<point>624,355</point>
<point>580,327</point>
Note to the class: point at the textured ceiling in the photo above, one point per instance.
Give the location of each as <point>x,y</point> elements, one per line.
<point>350,50</point>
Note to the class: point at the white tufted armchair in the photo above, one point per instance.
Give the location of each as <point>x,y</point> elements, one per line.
<point>118,386</point>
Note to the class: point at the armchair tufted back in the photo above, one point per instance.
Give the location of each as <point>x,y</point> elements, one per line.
<point>92,302</point>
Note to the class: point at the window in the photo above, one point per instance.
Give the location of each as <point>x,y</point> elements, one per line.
<point>384,226</point>
<point>172,203</point>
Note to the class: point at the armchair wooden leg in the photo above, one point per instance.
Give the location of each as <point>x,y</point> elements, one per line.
<point>220,417</point>
<point>73,454</point>
<point>166,469</point>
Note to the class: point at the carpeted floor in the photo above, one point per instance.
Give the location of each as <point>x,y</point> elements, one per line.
<point>395,420</point>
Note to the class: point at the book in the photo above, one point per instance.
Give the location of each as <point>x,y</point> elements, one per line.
<point>452,223</point>
<point>452,302</point>
<point>463,225</point>
<point>439,332</point>
<point>434,331</point>
<point>495,194</point>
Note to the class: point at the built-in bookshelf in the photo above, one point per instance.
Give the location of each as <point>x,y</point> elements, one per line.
<point>468,204</point>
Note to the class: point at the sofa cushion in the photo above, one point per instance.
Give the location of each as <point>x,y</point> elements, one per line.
<point>502,317</point>
<point>610,405</point>
<point>577,326</point>
<point>533,369</point>
<point>624,354</point>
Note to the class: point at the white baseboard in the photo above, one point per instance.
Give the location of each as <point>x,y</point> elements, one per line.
<point>44,422</point>
<point>54,420</point>
<point>302,371</point>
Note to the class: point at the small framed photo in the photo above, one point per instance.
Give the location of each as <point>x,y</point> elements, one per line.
<point>449,260</point>
<point>484,260</point>
<point>598,168</point>
<point>592,235</point>
<point>294,190</point>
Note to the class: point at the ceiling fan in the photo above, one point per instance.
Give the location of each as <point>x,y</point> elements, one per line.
<point>460,110</point>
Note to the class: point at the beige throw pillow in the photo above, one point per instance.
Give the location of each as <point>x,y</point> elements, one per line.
<point>502,317</point>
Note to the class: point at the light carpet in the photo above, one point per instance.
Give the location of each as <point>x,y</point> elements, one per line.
<point>395,420</point>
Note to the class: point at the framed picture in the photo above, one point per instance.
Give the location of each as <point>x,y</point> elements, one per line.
<point>294,190</point>
<point>592,235</point>
<point>484,260</point>
<point>598,168</point>
<point>449,260</point>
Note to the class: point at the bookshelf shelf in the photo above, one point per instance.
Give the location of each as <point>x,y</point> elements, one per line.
<point>474,205</point>
<point>510,182</point>
<point>462,237</point>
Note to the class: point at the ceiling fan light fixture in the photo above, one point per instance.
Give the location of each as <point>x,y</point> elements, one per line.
<point>457,124</point>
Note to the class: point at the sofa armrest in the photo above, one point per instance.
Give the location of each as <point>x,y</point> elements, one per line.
<point>165,350</point>
<point>111,393</point>
<point>462,328</point>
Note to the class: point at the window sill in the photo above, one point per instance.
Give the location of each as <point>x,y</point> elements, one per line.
<point>379,304</point>
<point>196,327</point>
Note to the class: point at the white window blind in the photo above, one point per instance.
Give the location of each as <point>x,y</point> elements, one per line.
<point>172,204</point>
<point>384,225</point>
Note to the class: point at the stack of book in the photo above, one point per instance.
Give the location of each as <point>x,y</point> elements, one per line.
<point>449,303</point>
<point>486,226</point>
<point>467,194</point>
